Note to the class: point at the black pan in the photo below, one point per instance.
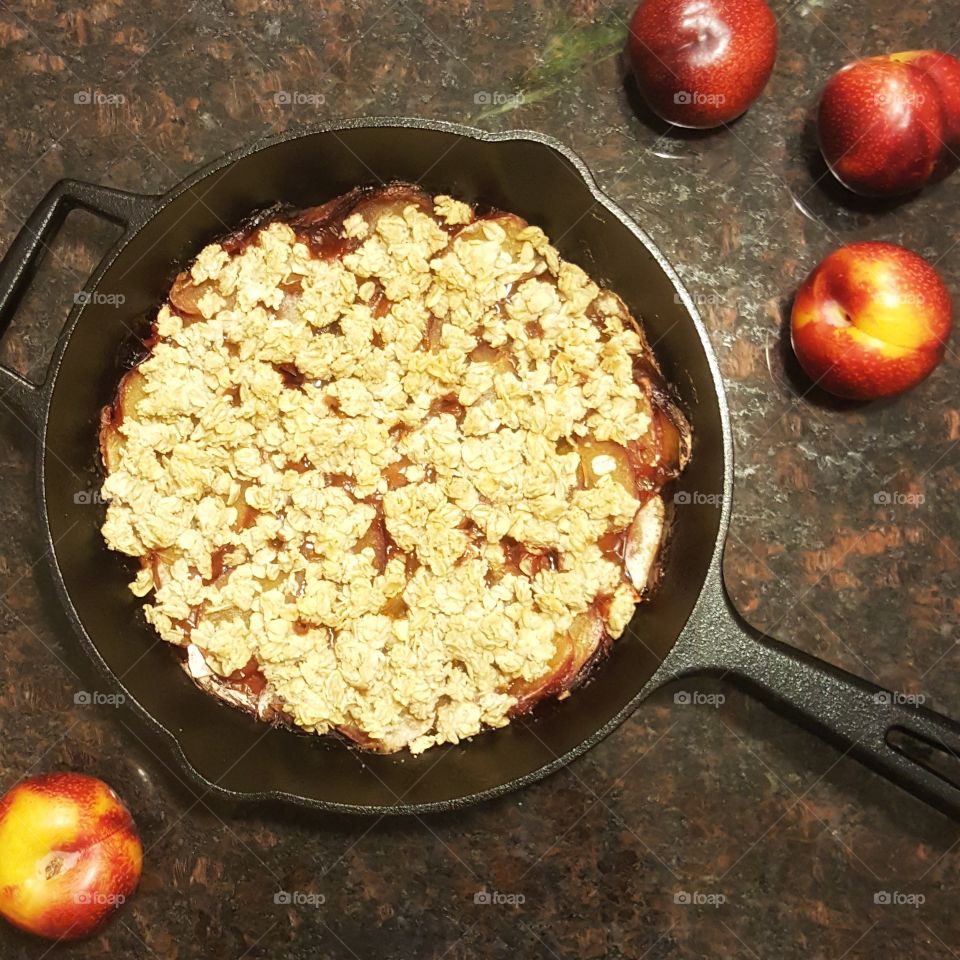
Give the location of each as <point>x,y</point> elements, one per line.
<point>688,628</point>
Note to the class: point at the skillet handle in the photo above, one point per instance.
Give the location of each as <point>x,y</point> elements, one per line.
<point>26,252</point>
<point>916,748</point>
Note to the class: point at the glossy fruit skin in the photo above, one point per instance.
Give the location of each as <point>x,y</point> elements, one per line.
<point>69,855</point>
<point>870,321</point>
<point>889,125</point>
<point>701,63</point>
<point>944,71</point>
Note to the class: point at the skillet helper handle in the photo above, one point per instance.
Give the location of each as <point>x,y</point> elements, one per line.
<point>26,252</point>
<point>915,748</point>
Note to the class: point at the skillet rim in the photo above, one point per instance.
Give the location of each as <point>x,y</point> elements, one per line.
<point>707,596</point>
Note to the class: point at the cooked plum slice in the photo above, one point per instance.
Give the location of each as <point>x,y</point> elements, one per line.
<point>642,544</point>
<point>130,393</point>
<point>375,539</point>
<point>600,458</point>
<point>574,650</point>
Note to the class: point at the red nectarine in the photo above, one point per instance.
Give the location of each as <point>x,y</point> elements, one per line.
<point>701,63</point>
<point>69,855</point>
<point>871,320</point>
<point>888,125</point>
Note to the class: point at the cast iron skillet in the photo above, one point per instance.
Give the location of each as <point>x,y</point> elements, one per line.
<point>689,627</point>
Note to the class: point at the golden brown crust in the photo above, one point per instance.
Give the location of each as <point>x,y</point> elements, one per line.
<point>382,466</point>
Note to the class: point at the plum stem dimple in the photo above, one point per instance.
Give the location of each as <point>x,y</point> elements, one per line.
<point>56,863</point>
<point>835,315</point>
<point>711,36</point>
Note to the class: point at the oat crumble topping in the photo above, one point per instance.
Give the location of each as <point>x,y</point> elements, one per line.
<point>385,483</point>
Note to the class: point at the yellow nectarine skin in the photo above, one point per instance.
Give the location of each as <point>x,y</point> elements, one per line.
<point>871,320</point>
<point>69,855</point>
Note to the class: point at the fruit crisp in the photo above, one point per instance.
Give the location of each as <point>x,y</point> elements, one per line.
<point>391,468</point>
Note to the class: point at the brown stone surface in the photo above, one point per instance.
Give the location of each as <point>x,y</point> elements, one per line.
<point>730,801</point>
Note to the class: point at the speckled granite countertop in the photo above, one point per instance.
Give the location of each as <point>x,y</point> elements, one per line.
<point>781,843</point>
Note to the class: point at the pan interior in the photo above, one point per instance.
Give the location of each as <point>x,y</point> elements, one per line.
<point>227,747</point>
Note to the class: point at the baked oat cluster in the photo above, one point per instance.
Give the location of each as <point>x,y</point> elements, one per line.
<point>390,469</point>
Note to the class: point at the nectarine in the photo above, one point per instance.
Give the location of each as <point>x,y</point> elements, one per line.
<point>69,855</point>
<point>871,320</point>
<point>888,125</point>
<point>701,63</point>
